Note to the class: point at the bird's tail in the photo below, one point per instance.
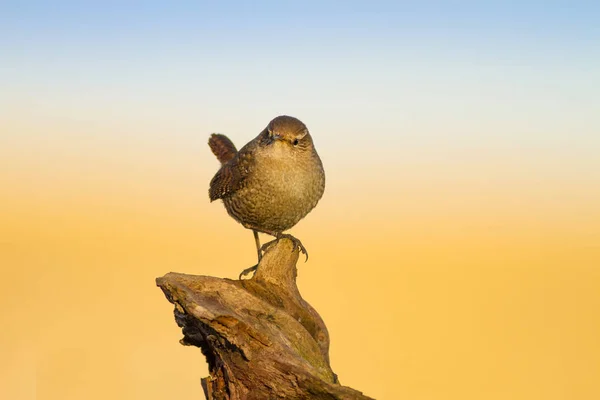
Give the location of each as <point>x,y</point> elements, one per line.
<point>222,147</point>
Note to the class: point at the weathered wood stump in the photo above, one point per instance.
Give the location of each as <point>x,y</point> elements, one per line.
<point>260,338</point>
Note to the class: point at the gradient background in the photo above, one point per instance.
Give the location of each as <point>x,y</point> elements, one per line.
<point>455,254</point>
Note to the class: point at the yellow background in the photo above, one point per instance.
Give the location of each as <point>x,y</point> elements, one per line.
<point>438,276</point>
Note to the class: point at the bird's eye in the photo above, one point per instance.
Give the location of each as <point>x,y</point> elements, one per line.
<point>295,142</point>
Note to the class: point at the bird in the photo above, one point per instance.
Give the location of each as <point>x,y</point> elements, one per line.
<point>271,183</point>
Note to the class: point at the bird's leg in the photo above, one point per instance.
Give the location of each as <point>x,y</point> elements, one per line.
<point>259,251</point>
<point>257,240</point>
<point>278,236</point>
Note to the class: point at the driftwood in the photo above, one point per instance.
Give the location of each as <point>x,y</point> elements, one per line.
<point>260,338</point>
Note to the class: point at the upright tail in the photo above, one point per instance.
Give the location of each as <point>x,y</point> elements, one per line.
<point>222,147</point>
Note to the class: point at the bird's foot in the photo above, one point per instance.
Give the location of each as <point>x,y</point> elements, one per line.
<point>247,271</point>
<point>296,242</point>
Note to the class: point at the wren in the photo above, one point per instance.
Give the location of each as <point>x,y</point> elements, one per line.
<point>272,182</point>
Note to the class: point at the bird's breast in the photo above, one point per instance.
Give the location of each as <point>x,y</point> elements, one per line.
<point>281,190</point>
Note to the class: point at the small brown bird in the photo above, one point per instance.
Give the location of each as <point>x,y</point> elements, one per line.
<point>272,182</point>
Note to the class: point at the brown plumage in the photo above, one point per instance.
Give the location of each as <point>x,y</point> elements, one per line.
<point>222,147</point>
<point>272,182</point>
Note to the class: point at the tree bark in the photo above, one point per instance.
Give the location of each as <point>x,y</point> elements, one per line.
<point>260,338</point>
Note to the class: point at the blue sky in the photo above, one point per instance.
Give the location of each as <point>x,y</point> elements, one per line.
<point>502,71</point>
<point>41,39</point>
<point>316,26</point>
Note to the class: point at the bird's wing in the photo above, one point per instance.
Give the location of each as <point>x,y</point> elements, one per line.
<point>222,147</point>
<point>231,176</point>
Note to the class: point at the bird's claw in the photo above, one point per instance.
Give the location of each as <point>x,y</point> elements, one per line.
<point>296,242</point>
<point>247,271</point>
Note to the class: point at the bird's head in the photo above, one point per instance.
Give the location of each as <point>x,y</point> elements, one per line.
<point>289,132</point>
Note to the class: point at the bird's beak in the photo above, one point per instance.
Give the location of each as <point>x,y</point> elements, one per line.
<point>273,138</point>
